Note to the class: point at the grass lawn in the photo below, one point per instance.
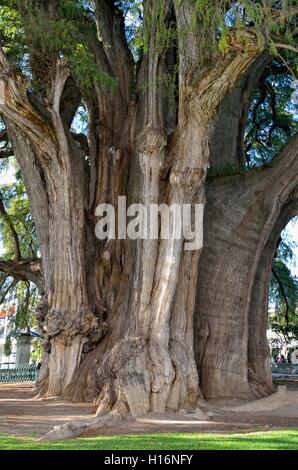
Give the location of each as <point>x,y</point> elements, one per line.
<point>273,440</point>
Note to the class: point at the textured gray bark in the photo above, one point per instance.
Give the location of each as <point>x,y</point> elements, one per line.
<point>241,213</point>
<point>259,372</point>
<point>227,149</point>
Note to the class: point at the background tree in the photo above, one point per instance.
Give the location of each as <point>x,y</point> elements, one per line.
<point>21,278</point>
<point>283,294</point>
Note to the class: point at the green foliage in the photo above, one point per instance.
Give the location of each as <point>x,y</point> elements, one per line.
<point>24,294</point>
<point>161,27</point>
<point>37,351</point>
<point>221,25</point>
<point>85,69</point>
<point>272,117</point>
<point>68,32</point>
<point>283,292</point>
<point>11,29</point>
<point>132,11</point>
<point>17,206</point>
<point>223,43</point>
<point>43,32</point>
<point>288,327</point>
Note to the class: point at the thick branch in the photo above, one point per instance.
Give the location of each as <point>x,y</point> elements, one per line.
<point>282,176</point>
<point>3,136</point>
<point>111,34</point>
<point>82,140</point>
<point>23,270</point>
<point>39,121</point>
<point>228,136</point>
<point>6,152</point>
<point>286,46</point>
<point>70,101</point>
<point>16,107</point>
<point>7,290</point>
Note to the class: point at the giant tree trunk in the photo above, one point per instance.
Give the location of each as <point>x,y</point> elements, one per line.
<point>243,220</point>
<point>118,315</point>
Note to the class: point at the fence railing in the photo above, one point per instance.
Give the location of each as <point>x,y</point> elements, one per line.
<point>9,372</point>
<point>22,373</point>
<point>285,369</point>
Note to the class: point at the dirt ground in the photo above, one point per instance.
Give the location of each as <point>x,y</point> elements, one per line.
<point>21,414</point>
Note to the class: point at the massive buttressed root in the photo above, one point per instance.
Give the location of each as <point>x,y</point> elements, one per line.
<point>244,216</point>
<point>118,315</point>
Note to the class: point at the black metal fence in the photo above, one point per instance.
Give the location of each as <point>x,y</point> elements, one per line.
<point>9,372</point>
<point>285,370</point>
<point>22,373</point>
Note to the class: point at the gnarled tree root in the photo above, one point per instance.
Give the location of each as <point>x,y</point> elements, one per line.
<point>137,377</point>
<point>76,428</point>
